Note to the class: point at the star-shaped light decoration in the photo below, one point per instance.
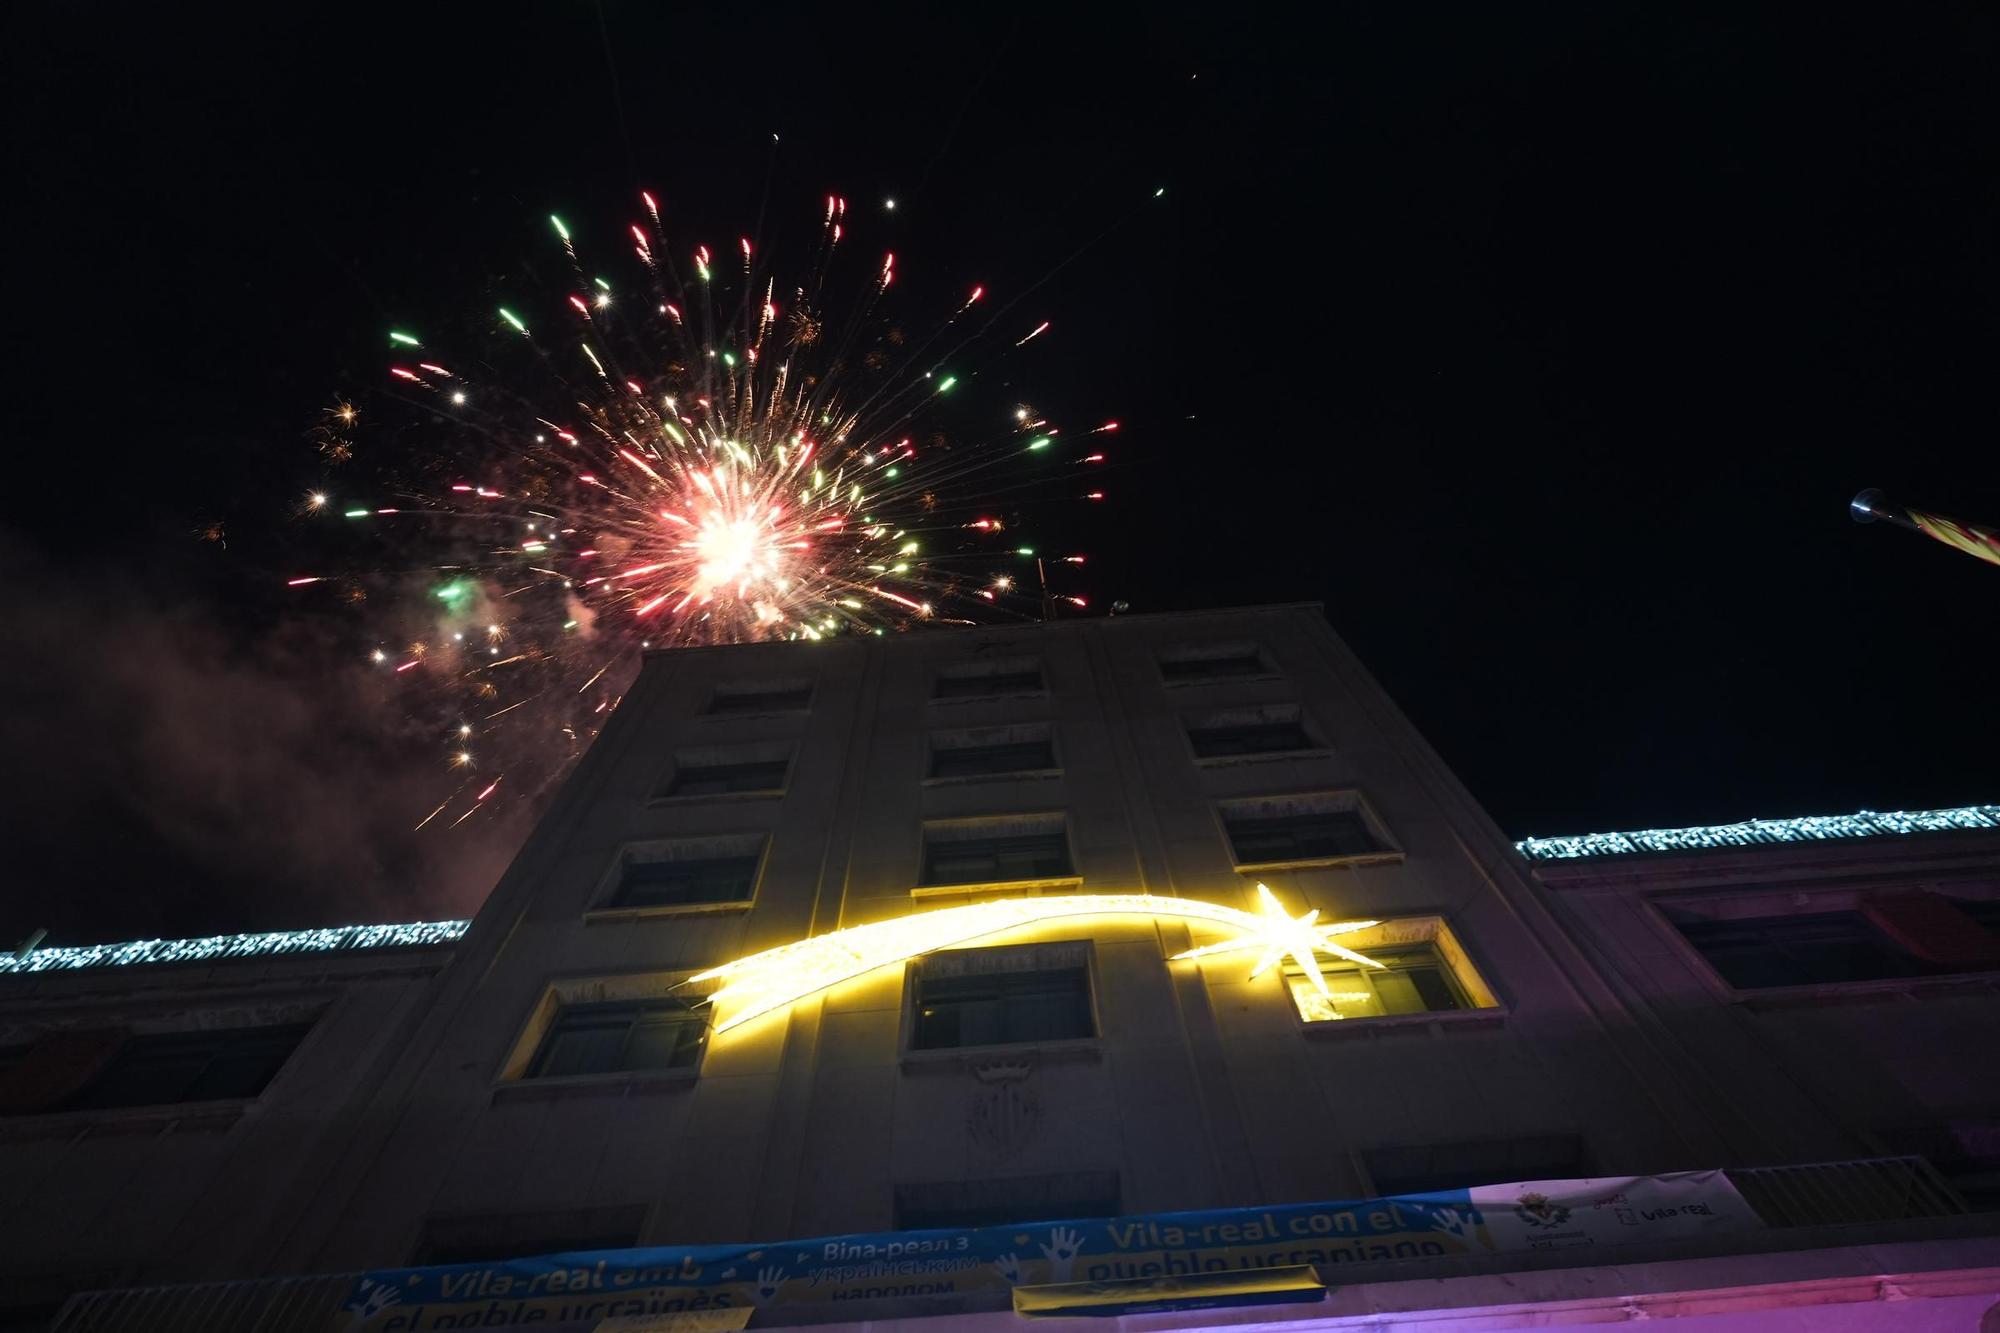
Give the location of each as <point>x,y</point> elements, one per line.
<point>1281,935</point>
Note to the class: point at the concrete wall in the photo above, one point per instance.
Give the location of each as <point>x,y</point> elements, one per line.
<point>1204,1089</point>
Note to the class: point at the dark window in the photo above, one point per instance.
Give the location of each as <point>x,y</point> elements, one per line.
<point>1010,1201</point>
<point>1216,742</point>
<point>996,860</point>
<point>965,761</point>
<point>163,1068</point>
<point>1306,836</point>
<point>715,879</point>
<point>620,1036</point>
<point>766,775</point>
<point>490,1239</point>
<point>990,683</point>
<point>1186,670</point>
<point>785,699</point>
<point>1453,1166</point>
<point>1757,952</point>
<point>1986,911</point>
<point>1047,1005</point>
<point>1410,981</point>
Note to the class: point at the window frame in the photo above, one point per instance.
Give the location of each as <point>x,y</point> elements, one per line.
<point>1042,733</point>
<point>1762,900</point>
<point>923,888</point>
<point>604,906</point>
<point>1210,720</point>
<point>1224,650</point>
<point>1337,801</point>
<point>580,1009</point>
<point>781,753</point>
<point>779,688</point>
<point>1002,1054</point>
<point>1485,1004</point>
<point>989,671</point>
<point>511,1081</point>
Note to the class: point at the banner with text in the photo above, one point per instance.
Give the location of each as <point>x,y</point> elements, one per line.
<point>947,1264</point>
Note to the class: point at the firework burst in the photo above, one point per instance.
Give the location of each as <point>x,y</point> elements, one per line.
<point>696,454</point>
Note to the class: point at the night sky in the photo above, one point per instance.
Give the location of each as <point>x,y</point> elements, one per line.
<point>1544,345</point>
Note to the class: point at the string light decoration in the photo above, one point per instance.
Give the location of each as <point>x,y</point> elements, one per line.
<point>763,982</point>
<point>217,948</point>
<point>1755,832</point>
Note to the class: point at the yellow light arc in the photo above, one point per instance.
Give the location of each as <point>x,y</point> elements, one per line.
<point>761,982</point>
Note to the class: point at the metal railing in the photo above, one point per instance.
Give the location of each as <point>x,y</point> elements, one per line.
<point>1880,1189</point>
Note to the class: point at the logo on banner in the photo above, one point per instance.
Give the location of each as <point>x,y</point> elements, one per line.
<point>1539,1210</point>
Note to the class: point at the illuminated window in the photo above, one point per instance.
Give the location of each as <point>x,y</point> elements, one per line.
<point>164,1068</point>
<point>988,680</point>
<point>1424,971</point>
<point>992,752</point>
<point>788,696</point>
<point>620,1037</point>
<point>1198,664</point>
<point>998,997</point>
<point>996,852</point>
<point>695,872</point>
<point>1276,830</point>
<point>1275,729</point>
<point>1411,981</point>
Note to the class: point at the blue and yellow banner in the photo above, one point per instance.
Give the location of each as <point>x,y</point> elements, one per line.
<point>947,1265</point>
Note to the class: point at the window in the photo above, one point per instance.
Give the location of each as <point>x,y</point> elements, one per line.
<point>1424,971</point>
<point>986,680</point>
<point>496,1237</point>
<point>1411,981</point>
<point>1210,662</point>
<point>163,1068</point>
<point>996,852</point>
<point>997,997</point>
<point>1428,1169</point>
<point>620,1037</point>
<point>1758,952</point>
<point>695,872</point>
<point>992,752</point>
<point>1254,731</point>
<point>755,776</point>
<point>1267,833</point>
<point>1013,1201</point>
<point>761,697</point>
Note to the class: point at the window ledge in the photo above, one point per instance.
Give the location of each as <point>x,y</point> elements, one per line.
<point>602,916</point>
<point>1863,992</point>
<point>206,1116</point>
<point>1200,681</point>
<point>1383,1024</point>
<point>624,1084</point>
<point>1227,760</point>
<point>717,798</point>
<point>1021,775</point>
<point>997,886</point>
<point>989,698</point>
<point>953,1059</point>
<point>1386,857</point>
<point>751,717</point>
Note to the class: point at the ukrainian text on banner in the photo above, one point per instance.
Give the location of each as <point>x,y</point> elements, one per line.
<point>949,1265</point>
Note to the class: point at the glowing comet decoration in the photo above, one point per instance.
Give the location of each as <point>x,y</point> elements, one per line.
<point>775,978</point>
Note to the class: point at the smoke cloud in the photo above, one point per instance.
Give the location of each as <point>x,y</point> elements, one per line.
<point>173,774</point>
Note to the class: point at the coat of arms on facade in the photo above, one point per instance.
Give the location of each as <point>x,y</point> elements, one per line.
<point>1539,1210</point>
<point>1006,1115</point>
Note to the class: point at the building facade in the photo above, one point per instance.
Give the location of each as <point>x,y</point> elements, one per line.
<point>928,935</point>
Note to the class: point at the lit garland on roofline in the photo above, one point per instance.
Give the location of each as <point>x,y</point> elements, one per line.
<point>1756,832</point>
<point>222,948</point>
